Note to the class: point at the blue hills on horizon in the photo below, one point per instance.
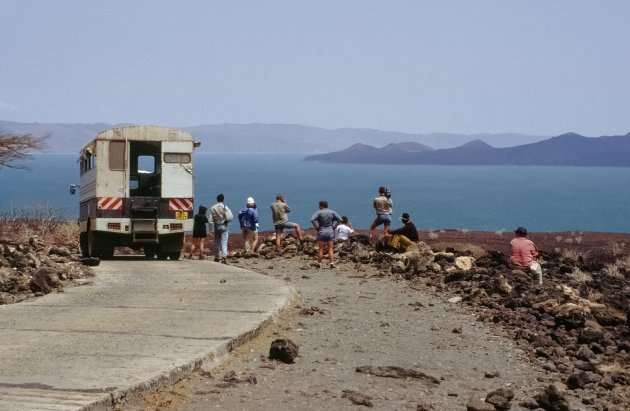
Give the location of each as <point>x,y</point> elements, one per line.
<point>264,138</point>
<point>568,149</point>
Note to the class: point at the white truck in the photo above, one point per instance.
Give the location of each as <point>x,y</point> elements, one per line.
<point>136,190</point>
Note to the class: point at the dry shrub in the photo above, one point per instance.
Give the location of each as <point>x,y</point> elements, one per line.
<point>613,270</point>
<point>66,234</point>
<point>19,223</point>
<point>465,230</point>
<point>594,296</point>
<point>619,268</point>
<point>558,238</point>
<point>617,248</point>
<point>580,276</point>
<point>476,250</point>
<point>574,254</point>
<point>500,232</point>
<point>433,235</point>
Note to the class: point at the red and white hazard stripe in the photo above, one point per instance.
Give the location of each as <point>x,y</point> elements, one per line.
<point>180,204</point>
<point>110,203</point>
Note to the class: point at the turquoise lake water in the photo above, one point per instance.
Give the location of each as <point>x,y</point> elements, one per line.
<point>487,198</point>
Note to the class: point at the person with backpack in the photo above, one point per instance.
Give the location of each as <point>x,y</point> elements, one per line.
<point>248,218</point>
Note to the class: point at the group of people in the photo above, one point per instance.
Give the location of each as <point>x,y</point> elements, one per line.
<point>330,227</point>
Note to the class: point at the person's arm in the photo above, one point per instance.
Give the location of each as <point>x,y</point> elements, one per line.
<point>314,220</point>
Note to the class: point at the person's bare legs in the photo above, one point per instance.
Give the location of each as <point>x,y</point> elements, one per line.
<point>278,241</point>
<point>254,243</point>
<point>192,247</point>
<point>320,253</point>
<point>201,246</point>
<point>331,254</point>
<point>298,232</point>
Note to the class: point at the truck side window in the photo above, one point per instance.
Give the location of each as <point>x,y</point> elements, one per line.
<point>116,155</point>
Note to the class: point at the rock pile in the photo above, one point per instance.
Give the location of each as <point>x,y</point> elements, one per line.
<point>574,326</point>
<point>34,269</point>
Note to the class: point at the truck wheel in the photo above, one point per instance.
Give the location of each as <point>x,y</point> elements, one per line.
<point>91,246</point>
<point>149,251</point>
<point>161,255</point>
<point>174,256</point>
<point>83,245</point>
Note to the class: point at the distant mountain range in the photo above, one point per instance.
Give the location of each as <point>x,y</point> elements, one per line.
<point>565,150</point>
<point>265,138</point>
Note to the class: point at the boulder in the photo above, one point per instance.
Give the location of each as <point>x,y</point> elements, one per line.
<point>552,399</point>
<point>284,350</point>
<point>607,316</point>
<point>464,263</point>
<point>44,280</point>
<point>475,404</point>
<point>500,398</point>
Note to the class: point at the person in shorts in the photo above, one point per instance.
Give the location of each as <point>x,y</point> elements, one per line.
<point>200,232</point>
<point>383,205</point>
<point>323,220</point>
<point>279,212</point>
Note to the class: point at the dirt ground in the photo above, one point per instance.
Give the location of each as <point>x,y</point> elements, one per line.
<point>356,316</point>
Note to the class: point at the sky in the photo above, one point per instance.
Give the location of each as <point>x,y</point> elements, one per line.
<point>536,67</point>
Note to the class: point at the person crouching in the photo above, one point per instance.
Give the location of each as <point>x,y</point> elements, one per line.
<point>524,253</point>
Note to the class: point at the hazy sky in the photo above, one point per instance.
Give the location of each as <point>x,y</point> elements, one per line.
<point>540,67</point>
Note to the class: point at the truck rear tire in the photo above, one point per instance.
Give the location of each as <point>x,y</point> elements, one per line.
<point>150,251</point>
<point>83,245</point>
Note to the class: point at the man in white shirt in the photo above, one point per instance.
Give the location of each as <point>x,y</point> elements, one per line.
<point>343,230</point>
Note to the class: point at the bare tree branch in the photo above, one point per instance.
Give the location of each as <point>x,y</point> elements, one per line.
<point>18,147</point>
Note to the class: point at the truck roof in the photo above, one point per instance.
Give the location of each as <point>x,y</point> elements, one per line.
<point>140,133</point>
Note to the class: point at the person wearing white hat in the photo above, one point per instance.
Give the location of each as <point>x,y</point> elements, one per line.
<point>248,218</point>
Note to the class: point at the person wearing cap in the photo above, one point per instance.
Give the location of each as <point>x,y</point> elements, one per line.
<point>383,205</point>
<point>200,232</point>
<point>323,221</point>
<point>221,217</point>
<point>279,213</point>
<point>404,236</point>
<point>248,218</point>
<point>524,253</point>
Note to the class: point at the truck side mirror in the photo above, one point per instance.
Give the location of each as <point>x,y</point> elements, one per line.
<point>73,188</point>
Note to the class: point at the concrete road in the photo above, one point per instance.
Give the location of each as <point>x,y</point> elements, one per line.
<point>139,324</point>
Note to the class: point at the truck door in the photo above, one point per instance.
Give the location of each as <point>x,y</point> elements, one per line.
<point>177,169</point>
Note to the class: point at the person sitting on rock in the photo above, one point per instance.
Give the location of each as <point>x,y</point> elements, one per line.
<point>343,230</point>
<point>524,253</point>
<point>404,236</point>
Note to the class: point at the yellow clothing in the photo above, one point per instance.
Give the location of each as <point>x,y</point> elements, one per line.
<point>399,241</point>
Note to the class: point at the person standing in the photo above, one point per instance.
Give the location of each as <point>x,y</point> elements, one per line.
<point>221,216</point>
<point>524,253</point>
<point>383,205</point>
<point>323,221</point>
<point>200,232</point>
<point>343,230</point>
<point>248,218</point>
<point>279,213</point>
<point>404,236</point>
